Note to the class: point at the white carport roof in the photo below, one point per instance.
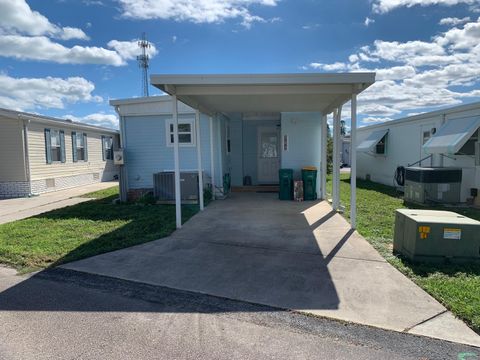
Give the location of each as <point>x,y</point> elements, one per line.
<point>264,92</point>
<point>450,138</point>
<point>322,93</point>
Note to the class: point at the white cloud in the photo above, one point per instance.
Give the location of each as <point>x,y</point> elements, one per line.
<point>196,11</point>
<point>49,92</point>
<point>414,76</point>
<point>465,38</point>
<point>128,50</point>
<point>375,120</point>
<point>98,119</point>
<point>17,16</point>
<point>43,49</point>
<point>368,21</point>
<point>27,35</point>
<point>338,66</point>
<point>384,6</point>
<point>69,33</point>
<point>454,21</point>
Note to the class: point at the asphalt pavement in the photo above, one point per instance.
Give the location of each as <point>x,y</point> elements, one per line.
<point>64,314</point>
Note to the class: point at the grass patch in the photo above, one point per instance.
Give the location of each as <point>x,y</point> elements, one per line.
<point>84,230</point>
<point>457,287</point>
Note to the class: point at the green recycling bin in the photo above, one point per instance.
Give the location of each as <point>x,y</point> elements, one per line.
<point>309,177</point>
<point>286,184</point>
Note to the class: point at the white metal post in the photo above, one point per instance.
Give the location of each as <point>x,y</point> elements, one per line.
<point>212,159</point>
<point>323,162</point>
<point>199,160</point>
<point>178,194</point>
<point>220,152</point>
<point>336,160</point>
<point>334,174</point>
<point>339,146</point>
<point>353,163</point>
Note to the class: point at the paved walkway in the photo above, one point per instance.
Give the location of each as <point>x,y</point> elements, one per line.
<point>299,256</point>
<point>21,208</point>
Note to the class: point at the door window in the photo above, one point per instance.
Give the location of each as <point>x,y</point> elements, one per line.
<point>269,145</point>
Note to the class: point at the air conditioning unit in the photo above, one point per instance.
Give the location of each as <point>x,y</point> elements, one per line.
<point>164,187</point>
<point>432,185</point>
<point>436,236</point>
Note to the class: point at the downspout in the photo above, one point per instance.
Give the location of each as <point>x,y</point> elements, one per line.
<point>26,154</point>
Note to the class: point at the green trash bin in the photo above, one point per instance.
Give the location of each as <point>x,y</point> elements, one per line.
<point>309,177</point>
<point>286,184</point>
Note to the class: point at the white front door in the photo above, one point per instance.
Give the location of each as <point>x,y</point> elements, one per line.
<point>268,158</point>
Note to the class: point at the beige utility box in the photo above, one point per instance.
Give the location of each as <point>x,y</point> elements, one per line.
<point>436,236</point>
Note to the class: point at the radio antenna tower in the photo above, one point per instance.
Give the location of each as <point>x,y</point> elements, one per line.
<point>143,60</point>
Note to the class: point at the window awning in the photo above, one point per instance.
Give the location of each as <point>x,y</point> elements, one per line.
<point>450,138</point>
<point>368,145</point>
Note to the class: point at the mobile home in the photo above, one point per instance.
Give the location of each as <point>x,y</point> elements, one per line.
<point>446,138</point>
<point>41,154</point>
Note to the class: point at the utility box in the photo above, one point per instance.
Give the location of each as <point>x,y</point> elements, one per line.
<point>164,187</point>
<point>436,236</point>
<point>432,185</point>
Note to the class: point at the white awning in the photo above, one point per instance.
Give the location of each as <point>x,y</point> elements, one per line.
<point>450,138</point>
<point>264,92</point>
<point>368,145</point>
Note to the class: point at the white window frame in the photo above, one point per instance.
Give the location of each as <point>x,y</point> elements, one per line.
<point>80,135</point>
<point>57,147</point>
<point>192,133</point>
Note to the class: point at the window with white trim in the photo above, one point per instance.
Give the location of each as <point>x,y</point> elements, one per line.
<point>80,147</point>
<point>186,132</point>
<point>55,146</point>
<point>107,148</point>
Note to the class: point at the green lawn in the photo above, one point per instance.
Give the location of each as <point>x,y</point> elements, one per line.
<point>84,230</point>
<point>455,286</point>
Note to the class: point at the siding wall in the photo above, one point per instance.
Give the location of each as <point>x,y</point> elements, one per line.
<point>404,146</point>
<point>146,150</point>
<point>12,156</point>
<point>70,173</point>
<point>304,142</point>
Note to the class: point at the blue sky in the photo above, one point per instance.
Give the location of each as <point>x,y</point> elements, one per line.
<point>67,58</point>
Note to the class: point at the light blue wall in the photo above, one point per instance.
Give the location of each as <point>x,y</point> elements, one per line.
<point>236,156</point>
<point>304,141</point>
<point>146,151</point>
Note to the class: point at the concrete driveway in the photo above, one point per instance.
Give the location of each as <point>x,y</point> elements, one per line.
<point>21,208</point>
<point>299,256</point>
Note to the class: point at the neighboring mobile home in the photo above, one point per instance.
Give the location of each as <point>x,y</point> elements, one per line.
<point>443,138</point>
<point>40,154</point>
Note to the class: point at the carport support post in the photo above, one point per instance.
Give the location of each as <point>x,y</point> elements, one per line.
<point>353,163</point>
<point>199,160</point>
<point>178,198</point>
<point>323,162</point>
<point>212,159</point>
<point>336,158</point>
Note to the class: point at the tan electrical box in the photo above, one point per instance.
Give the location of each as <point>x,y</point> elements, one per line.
<point>436,236</point>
